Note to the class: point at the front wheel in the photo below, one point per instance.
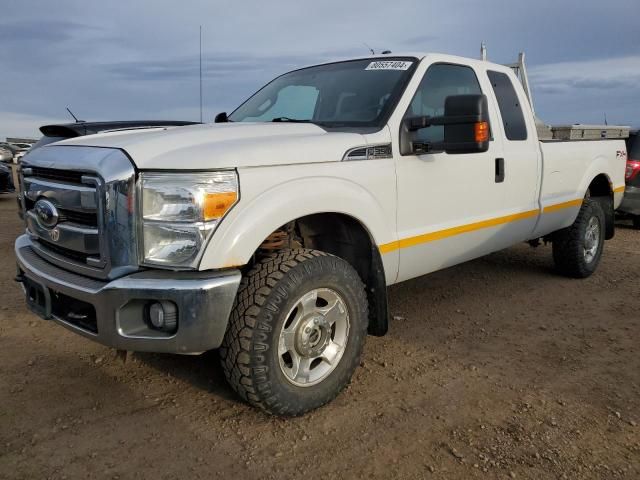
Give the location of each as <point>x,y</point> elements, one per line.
<point>296,332</point>
<point>577,249</point>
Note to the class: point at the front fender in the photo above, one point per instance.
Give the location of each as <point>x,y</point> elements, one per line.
<point>324,188</point>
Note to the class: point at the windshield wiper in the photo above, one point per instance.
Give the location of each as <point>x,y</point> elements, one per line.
<point>287,119</point>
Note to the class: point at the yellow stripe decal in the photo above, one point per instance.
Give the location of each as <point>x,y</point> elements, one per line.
<point>618,189</point>
<point>560,206</point>
<point>451,232</point>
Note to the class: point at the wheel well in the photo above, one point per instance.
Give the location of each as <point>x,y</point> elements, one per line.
<point>344,237</point>
<point>600,186</point>
<point>600,189</point>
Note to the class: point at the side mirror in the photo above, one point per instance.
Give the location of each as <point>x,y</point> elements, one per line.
<point>221,118</point>
<point>466,127</point>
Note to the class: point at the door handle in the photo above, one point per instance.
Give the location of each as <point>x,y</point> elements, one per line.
<point>499,170</point>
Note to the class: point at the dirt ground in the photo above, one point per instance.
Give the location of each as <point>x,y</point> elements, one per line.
<point>498,368</point>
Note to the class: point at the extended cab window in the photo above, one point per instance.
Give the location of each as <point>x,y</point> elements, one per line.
<point>440,81</point>
<point>360,93</point>
<point>510,108</point>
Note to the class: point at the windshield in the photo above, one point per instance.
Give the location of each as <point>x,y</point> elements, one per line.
<point>355,93</point>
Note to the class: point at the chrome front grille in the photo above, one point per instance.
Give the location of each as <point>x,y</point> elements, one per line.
<point>91,193</point>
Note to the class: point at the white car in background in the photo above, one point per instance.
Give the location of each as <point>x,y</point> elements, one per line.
<point>22,149</point>
<point>6,155</point>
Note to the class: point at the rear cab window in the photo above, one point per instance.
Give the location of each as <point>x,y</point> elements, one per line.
<point>515,128</point>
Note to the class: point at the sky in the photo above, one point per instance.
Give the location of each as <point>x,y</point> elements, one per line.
<point>139,59</point>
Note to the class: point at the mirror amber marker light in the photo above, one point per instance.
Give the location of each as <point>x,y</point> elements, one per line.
<point>482,132</point>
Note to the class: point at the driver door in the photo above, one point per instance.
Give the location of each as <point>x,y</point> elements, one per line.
<point>445,201</point>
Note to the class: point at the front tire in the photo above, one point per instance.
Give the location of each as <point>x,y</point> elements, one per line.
<point>296,332</point>
<point>577,250</point>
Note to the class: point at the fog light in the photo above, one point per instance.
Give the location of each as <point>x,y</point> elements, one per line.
<point>163,316</point>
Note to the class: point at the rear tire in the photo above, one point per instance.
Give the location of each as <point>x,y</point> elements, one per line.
<point>636,222</point>
<point>296,332</point>
<point>577,250</point>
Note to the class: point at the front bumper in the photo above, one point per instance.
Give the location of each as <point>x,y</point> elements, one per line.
<point>113,313</point>
<point>631,201</point>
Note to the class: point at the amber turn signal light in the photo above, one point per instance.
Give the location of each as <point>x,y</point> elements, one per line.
<point>482,132</point>
<point>217,204</point>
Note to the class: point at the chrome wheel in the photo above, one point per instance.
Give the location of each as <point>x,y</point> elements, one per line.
<point>313,337</point>
<point>591,240</point>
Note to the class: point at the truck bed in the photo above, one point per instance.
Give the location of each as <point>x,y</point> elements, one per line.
<point>569,166</point>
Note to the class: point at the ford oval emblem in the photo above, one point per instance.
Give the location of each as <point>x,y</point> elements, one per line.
<point>46,213</point>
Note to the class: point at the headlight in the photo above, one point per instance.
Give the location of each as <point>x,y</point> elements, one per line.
<point>180,211</point>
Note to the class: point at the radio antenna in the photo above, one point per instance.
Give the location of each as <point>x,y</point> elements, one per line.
<point>200,73</point>
<point>74,117</point>
<point>369,48</point>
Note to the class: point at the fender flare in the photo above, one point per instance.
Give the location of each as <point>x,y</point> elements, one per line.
<point>240,233</point>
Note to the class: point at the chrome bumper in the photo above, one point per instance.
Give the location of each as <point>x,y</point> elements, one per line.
<point>113,313</point>
<point>631,201</point>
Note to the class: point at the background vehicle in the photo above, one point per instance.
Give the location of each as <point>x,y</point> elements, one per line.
<point>6,155</point>
<point>11,148</point>
<point>57,132</point>
<point>631,202</point>
<point>21,151</point>
<point>273,234</point>
<point>22,146</point>
<point>6,179</point>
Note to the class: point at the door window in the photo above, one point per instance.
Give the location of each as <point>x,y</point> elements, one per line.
<point>510,108</point>
<point>440,81</point>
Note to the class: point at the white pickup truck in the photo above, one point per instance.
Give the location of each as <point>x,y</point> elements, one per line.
<point>273,233</point>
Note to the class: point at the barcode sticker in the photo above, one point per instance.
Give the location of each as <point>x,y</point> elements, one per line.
<point>389,65</point>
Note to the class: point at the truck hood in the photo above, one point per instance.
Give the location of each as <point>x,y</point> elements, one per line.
<point>226,145</point>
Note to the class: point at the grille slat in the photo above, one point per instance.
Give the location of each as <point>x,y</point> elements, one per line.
<point>69,176</point>
<point>65,252</point>
<point>82,218</point>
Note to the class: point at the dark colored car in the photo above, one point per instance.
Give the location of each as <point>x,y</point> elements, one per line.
<point>59,132</point>
<point>6,179</point>
<point>56,133</point>
<point>631,203</point>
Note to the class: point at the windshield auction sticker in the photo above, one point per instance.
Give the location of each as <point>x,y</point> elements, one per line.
<point>389,65</point>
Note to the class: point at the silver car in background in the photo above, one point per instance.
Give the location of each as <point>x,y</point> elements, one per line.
<point>6,155</point>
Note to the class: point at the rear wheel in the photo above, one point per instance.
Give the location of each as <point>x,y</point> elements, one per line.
<point>636,222</point>
<point>296,332</point>
<point>577,249</point>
